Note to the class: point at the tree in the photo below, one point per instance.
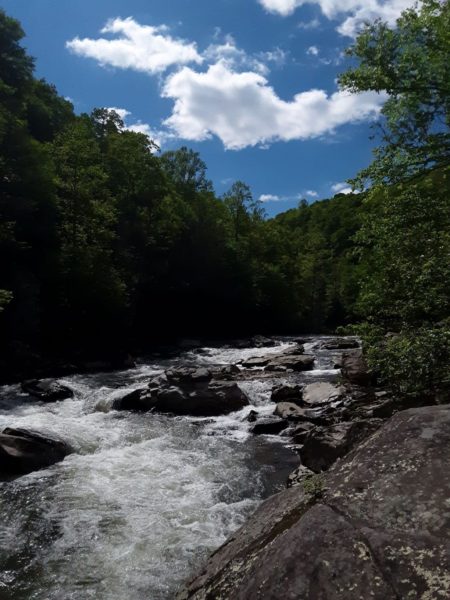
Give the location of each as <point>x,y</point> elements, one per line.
<point>405,241</point>
<point>243,208</point>
<point>187,170</point>
<point>411,64</point>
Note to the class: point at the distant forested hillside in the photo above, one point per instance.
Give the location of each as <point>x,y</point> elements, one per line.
<point>109,246</point>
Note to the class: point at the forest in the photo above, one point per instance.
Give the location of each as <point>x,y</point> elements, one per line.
<point>109,246</point>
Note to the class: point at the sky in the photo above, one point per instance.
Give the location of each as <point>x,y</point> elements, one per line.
<point>249,84</point>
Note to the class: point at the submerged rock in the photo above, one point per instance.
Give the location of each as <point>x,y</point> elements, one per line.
<point>47,390</point>
<point>376,525</point>
<point>24,450</point>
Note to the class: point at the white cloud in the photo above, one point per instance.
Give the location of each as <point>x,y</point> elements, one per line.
<point>269,198</point>
<point>243,110</point>
<point>311,193</point>
<point>228,53</point>
<point>341,188</point>
<point>122,112</point>
<point>313,51</point>
<point>307,25</point>
<point>138,47</point>
<point>358,10</point>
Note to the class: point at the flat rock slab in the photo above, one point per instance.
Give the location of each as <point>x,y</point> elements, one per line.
<point>377,525</point>
<point>317,394</point>
<point>269,426</point>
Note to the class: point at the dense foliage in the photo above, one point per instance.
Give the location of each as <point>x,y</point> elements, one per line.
<point>109,246</point>
<point>405,237</point>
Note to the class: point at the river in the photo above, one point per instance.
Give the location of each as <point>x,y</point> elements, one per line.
<point>145,498</point>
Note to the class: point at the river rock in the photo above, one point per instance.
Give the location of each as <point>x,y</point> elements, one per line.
<point>270,425</point>
<point>300,431</point>
<point>24,450</point>
<point>260,341</point>
<point>200,399</point>
<point>47,390</point>
<point>377,525</point>
<point>340,344</point>
<point>293,412</point>
<point>287,393</point>
<point>256,361</point>
<point>188,375</point>
<point>299,476</point>
<point>294,362</point>
<point>322,446</point>
<point>354,369</point>
<point>322,392</point>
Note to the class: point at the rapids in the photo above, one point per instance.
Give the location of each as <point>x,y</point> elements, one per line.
<point>144,499</point>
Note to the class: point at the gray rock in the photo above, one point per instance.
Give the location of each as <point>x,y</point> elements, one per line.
<point>289,410</point>
<point>293,412</point>
<point>24,450</point>
<point>188,375</point>
<point>299,476</point>
<point>287,393</point>
<point>47,390</point>
<point>317,394</point>
<point>294,362</point>
<point>204,399</point>
<point>256,361</point>
<point>322,446</point>
<point>340,344</point>
<point>354,369</point>
<point>270,425</point>
<point>377,525</point>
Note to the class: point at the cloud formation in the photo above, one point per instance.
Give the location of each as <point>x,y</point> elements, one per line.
<point>353,13</point>
<point>139,47</point>
<point>341,188</point>
<point>241,109</point>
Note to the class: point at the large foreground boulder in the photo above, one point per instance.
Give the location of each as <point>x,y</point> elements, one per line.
<point>200,398</point>
<point>24,450</point>
<point>377,525</point>
<point>47,390</point>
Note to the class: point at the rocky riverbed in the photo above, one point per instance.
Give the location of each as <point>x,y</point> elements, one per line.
<point>118,485</point>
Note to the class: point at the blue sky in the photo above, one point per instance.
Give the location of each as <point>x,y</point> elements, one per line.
<point>250,84</point>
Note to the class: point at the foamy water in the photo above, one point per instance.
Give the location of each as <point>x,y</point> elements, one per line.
<point>143,499</point>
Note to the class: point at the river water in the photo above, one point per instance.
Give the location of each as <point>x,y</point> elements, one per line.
<point>144,499</point>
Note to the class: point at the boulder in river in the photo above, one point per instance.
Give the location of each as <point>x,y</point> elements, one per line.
<point>322,392</point>
<point>269,425</point>
<point>293,362</point>
<point>24,450</point>
<point>188,375</point>
<point>200,398</point>
<point>255,361</point>
<point>376,525</point>
<point>47,390</point>
<point>287,393</point>
<point>340,344</point>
